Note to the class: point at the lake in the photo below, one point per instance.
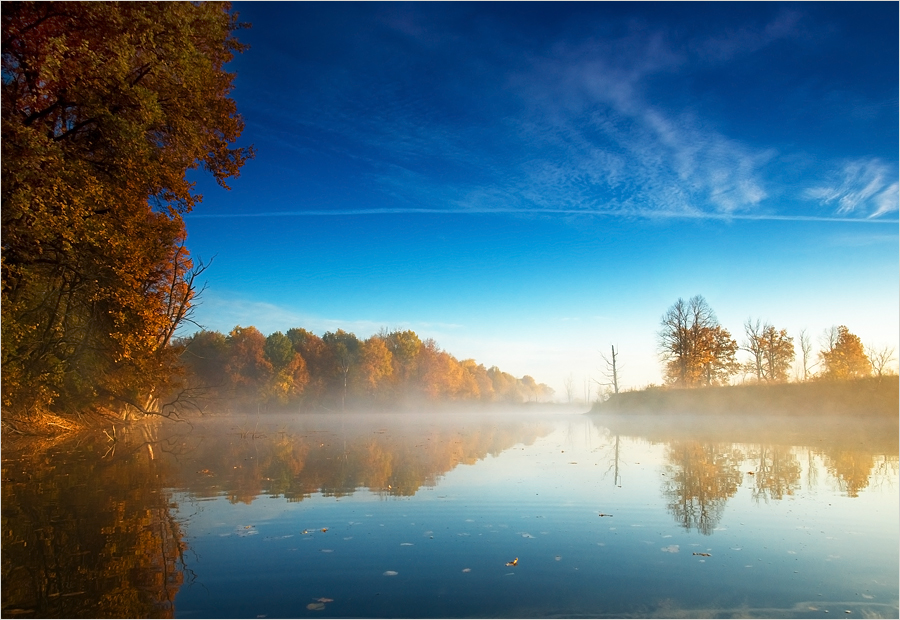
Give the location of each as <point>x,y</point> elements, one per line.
<point>523,514</point>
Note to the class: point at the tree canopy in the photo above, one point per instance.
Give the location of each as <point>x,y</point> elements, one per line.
<point>106,107</point>
<point>300,370</point>
<point>844,356</point>
<point>694,347</point>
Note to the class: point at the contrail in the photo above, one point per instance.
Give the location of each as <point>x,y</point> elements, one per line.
<point>644,214</point>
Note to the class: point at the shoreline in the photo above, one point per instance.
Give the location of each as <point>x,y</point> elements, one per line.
<point>865,397</point>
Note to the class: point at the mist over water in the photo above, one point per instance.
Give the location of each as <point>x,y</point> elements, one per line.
<point>526,513</point>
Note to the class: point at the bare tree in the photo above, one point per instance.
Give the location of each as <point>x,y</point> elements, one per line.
<point>753,346</point>
<point>772,351</point>
<point>569,384</point>
<point>612,372</point>
<point>805,353</point>
<point>880,358</point>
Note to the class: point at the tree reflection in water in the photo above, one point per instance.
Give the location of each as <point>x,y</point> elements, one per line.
<point>707,456</point>
<point>88,526</point>
<point>328,455</point>
<point>699,480</point>
<point>777,472</point>
<point>88,531</point>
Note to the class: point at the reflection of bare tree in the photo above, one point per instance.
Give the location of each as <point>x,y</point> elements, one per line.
<point>812,472</point>
<point>700,478</point>
<point>777,472</point>
<point>885,470</point>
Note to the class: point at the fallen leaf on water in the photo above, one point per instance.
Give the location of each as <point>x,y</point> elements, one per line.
<point>324,529</point>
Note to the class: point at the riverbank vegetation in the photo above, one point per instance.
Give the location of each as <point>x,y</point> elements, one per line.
<point>106,107</point>
<point>865,396</point>
<point>702,373</point>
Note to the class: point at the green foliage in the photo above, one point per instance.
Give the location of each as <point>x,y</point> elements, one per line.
<point>105,108</point>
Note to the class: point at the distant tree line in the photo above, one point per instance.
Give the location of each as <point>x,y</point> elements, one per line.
<point>301,370</point>
<point>696,350</point>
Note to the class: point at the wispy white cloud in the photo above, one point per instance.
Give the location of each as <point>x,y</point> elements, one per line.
<point>624,213</point>
<point>566,128</point>
<point>860,186</point>
<point>730,43</point>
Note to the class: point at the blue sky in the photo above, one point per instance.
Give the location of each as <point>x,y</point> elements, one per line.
<point>530,183</point>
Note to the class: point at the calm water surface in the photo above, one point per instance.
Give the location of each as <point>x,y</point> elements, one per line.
<point>435,515</point>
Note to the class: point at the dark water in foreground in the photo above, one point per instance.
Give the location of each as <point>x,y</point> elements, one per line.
<point>440,516</point>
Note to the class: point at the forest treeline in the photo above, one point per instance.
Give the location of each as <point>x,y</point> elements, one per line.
<point>299,370</point>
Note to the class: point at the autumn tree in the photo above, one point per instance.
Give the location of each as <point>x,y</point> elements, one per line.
<point>105,107</point>
<point>319,361</point>
<point>771,351</point>
<point>205,354</point>
<point>717,355</point>
<point>375,366</point>
<point>843,356</point>
<point>479,374</point>
<point>694,348</point>
<point>247,370</point>
<point>504,385</point>
<point>344,351</point>
<point>404,347</point>
<point>289,374</point>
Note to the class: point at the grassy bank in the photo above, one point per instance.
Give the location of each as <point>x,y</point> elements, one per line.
<point>870,396</point>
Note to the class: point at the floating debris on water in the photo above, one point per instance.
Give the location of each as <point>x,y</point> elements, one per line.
<point>603,514</point>
<point>246,530</point>
<point>705,555</point>
<point>389,573</point>
<point>467,570</point>
<point>325,600</point>
<point>672,549</point>
<point>513,563</point>
<point>316,606</point>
